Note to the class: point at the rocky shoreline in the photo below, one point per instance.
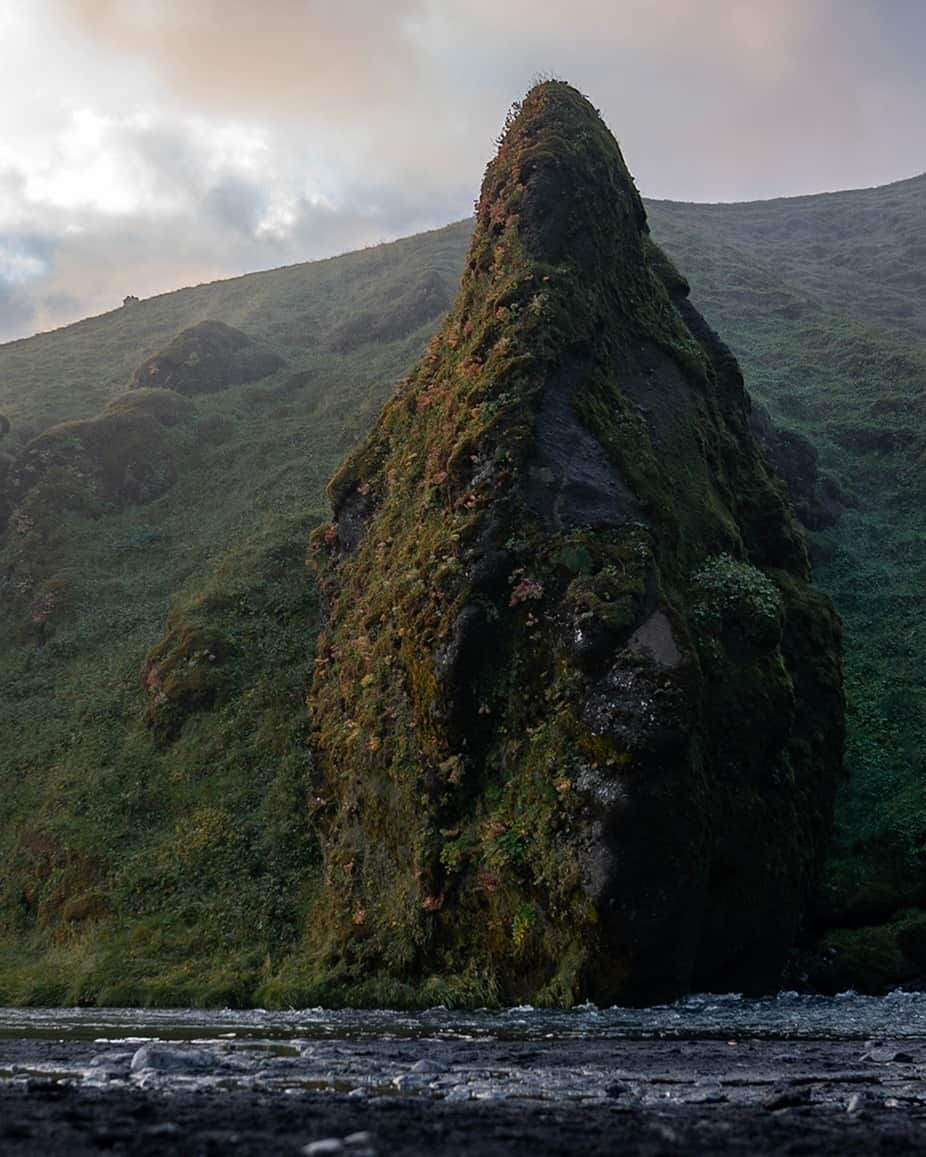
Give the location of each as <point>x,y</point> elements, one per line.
<point>396,1098</point>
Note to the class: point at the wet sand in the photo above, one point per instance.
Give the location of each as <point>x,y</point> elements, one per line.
<point>442,1097</point>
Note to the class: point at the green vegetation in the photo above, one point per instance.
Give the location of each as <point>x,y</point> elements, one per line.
<point>730,597</point>
<point>207,357</point>
<point>175,861</point>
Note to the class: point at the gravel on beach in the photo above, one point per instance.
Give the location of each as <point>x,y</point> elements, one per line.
<point>395,1098</point>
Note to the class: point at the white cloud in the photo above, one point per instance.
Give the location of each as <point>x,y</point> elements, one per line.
<point>146,144</point>
<point>17,266</point>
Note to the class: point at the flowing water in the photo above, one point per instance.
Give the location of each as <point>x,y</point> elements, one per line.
<point>786,1016</point>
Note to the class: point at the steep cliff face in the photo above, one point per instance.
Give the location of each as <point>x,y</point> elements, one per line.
<point>578,708</point>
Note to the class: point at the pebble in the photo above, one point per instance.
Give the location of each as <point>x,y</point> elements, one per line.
<point>110,1060</point>
<point>324,1148</point>
<point>426,1065</point>
<point>887,1053</point>
<point>405,1082</point>
<point>162,1129</point>
<point>109,1066</point>
<point>355,1144</point>
<point>786,1097</point>
<point>156,1056</point>
<point>706,1095</point>
<point>459,1093</point>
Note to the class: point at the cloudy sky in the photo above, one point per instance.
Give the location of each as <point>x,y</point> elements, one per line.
<point>149,144</point>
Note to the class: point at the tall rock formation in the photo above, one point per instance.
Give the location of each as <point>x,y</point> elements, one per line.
<point>578,709</point>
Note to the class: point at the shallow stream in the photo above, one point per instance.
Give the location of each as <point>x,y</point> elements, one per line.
<point>786,1016</point>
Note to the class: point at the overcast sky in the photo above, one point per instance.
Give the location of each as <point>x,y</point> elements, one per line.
<point>150,144</point>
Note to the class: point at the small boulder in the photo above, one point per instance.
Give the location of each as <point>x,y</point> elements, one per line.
<point>326,1147</point>
<point>786,1097</point>
<point>163,1058</point>
<point>887,1054</point>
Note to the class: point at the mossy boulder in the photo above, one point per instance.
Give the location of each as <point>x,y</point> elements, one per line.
<point>125,455</point>
<point>577,709</point>
<point>205,358</point>
<point>871,959</point>
<point>413,306</point>
<point>184,673</point>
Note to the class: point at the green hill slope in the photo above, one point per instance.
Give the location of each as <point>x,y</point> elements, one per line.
<point>167,853</point>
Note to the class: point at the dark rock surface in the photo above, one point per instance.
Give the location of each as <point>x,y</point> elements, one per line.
<point>817,498</point>
<point>577,709</point>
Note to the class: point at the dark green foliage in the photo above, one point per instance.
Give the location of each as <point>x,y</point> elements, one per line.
<point>869,959</point>
<point>529,783</point>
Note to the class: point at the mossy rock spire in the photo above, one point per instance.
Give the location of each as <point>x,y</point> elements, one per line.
<point>577,709</point>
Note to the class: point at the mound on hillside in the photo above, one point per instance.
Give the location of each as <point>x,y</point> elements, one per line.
<point>577,710</point>
<point>205,358</point>
<point>127,455</point>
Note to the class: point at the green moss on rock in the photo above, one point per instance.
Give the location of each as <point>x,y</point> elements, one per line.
<point>184,673</point>
<point>577,710</point>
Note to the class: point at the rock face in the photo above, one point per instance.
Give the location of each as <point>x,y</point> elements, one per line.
<point>578,710</point>
<point>817,499</point>
<point>205,358</point>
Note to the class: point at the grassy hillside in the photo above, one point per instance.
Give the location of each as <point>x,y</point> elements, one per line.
<point>861,251</point>
<point>163,850</point>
